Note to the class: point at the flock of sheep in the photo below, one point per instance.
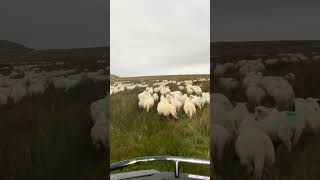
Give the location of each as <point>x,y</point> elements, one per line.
<point>254,129</point>
<point>169,102</point>
<point>30,80</point>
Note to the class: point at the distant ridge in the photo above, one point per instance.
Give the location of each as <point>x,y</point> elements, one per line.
<point>113,77</point>
<point>277,42</point>
<point>11,51</point>
<point>167,75</point>
<point>162,77</point>
<point>9,47</point>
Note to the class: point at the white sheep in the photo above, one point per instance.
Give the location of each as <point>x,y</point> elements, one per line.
<point>197,90</point>
<point>189,91</point>
<point>283,97</point>
<point>290,76</point>
<point>229,84</point>
<point>239,113</point>
<point>221,138</point>
<point>229,66</point>
<point>255,95</point>
<point>271,62</point>
<point>262,111</point>
<point>251,67</point>
<point>241,63</point>
<point>99,134</point>
<point>18,92</point>
<point>219,70</point>
<point>277,128</point>
<point>149,90</point>
<point>98,109</point>
<point>36,89</point>
<point>280,90</point>
<point>309,112</point>
<point>181,88</point>
<point>220,99</point>
<point>142,95</point>
<point>295,120</point>
<point>59,83</point>
<point>155,97</point>
<point>179,97</point>
<point>189,108</point>
<point>165,108</point>
<point>313,102</point>
<point>198,101</point>
<point>223,117</point>
<point>206,96</point>
<point>156,90</point>
<point>175,93</point>
<point>252,79</point>
<point>183,98</point>
<point>148,102</point>
<point>176,103</point>
<point>140,103</point>
<point>71,83</point>
<point>254,149</point>
<point>297,123</point>
<point>313,122</point>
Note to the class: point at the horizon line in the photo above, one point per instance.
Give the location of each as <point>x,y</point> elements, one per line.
<point>54,48</point>
<point>160,75</point>
<point>279,40</point>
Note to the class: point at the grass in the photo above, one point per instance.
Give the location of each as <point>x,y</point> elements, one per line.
<point>303,162</point>
<point>48,136</point>
<point>135,133</point>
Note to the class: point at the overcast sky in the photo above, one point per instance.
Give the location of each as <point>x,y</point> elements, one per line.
<point>252,20</point>
<point>55,23</point>
<point>159,37</point>
<point>85,23</point>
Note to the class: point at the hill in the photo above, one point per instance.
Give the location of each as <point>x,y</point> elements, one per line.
<point>14,52</point>
<point>12,48</point>
<point>113,77</point>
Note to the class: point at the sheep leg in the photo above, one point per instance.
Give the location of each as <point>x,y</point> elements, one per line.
<point>296,137</point>
<point>249,169</point>
<point>267,172</point>
<point>258,167</point>
<point>174,115</point>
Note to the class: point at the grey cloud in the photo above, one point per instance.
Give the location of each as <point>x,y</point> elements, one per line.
<point>249,20</point>
<point>153,37</point>
<point>55,24</point>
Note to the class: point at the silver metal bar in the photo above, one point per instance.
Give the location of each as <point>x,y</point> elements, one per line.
<point>176,173</point>
<point>122,164</point>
